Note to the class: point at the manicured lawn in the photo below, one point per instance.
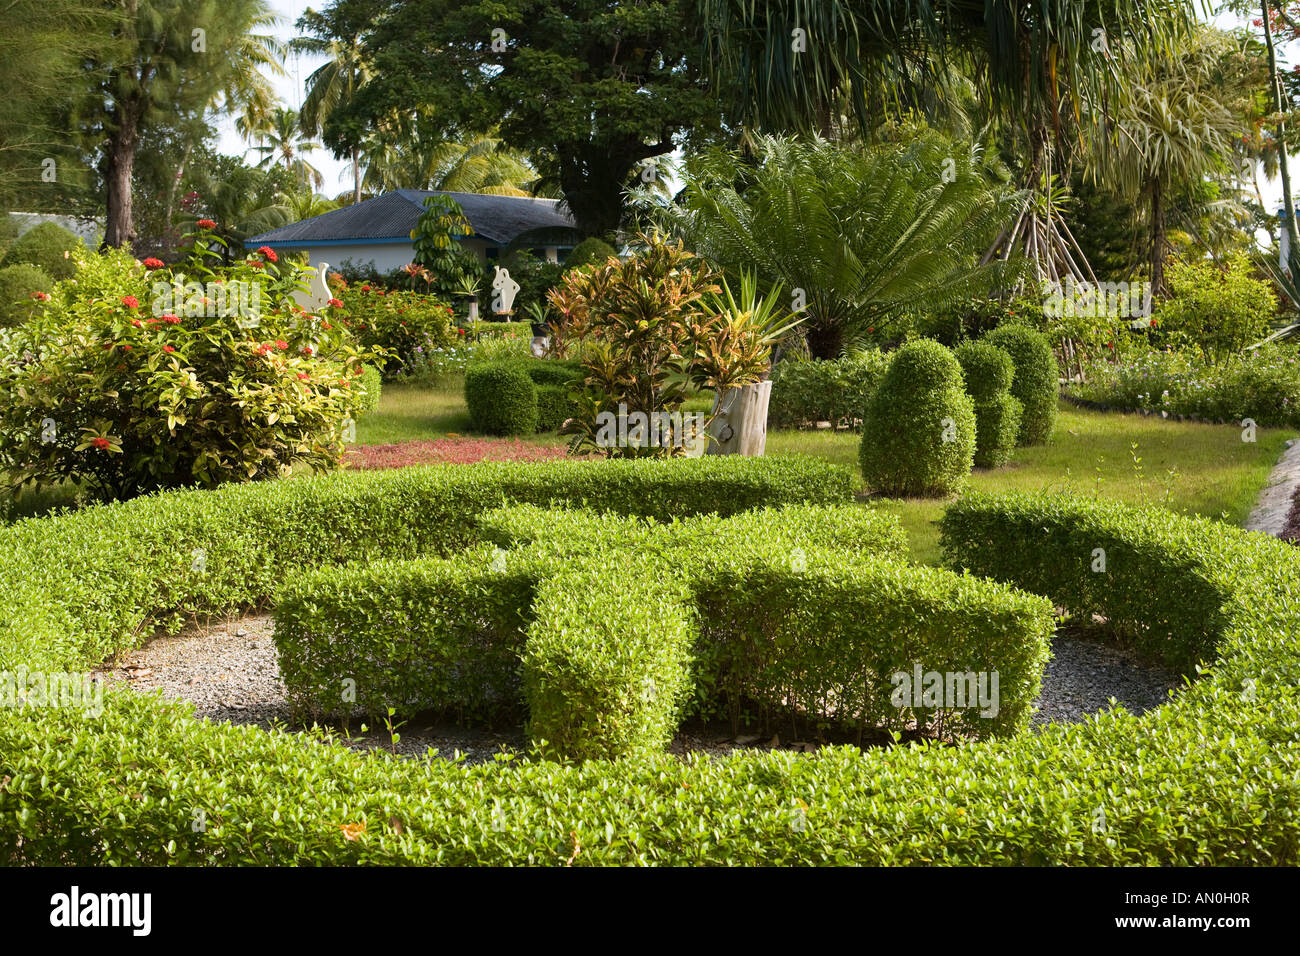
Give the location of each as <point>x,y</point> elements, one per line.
<point>1201,469</point>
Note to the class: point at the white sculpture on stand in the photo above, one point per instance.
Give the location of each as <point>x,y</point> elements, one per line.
<point>317,297</point>
<point>505,289</point>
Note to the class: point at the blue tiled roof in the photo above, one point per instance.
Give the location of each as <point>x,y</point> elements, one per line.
<point>392,216</point>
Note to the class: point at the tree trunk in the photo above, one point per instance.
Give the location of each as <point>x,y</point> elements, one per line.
<point>1157,238</point>
<point>175,185</point>
<point>119,228</point>
<point>1275,88</point>
<point>356,176</point>
<point>823,342</point>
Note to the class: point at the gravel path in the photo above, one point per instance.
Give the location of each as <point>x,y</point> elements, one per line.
<point>1275,501</point>
<point>228,669</point>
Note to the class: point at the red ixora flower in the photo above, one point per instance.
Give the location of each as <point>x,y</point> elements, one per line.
<point>103,444</point>
<point>336,303</point>
<point>41,296</point>
<point>268,252</point>
<point>172,319</point>
<point>152,263</point>
<point>131,302</point>
<point>365,288</point>
<point>207,224</point>
<point>460,331</point>
<point>303,375</point>
<point>306,350</point>
<point>256,264</point>
<point>326,325</point>
<point>281,344</point>
<point>137,323</point>
<point>169,348</point>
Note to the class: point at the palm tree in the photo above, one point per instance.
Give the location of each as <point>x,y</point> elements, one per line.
<point>285,143</point>
<point>333,84</point>
<point>476,164</point>
<point>853,234</point>
<point>1172,127</point>
<point>1037,64</point>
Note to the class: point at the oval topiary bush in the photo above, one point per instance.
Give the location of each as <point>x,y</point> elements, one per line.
<point>502,399</point>
<point>18,284</point>
<point>989,372</point>
<point>1036,382</point>
<point>48,246</point>
<point>918,436</point>
<point>592,249</point>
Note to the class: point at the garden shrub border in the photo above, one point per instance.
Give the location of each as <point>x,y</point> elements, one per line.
<point>1207,779</point>
<point>623,620</point>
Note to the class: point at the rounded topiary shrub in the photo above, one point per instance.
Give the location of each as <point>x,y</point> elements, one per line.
<point>555,404</point>
<point>918,435</point>
<point>1036,382</point>
<point>592,249</point>
<point>502,399</point>
<point>989,372</point>
<point>20,288</point>
<point>48,246</point>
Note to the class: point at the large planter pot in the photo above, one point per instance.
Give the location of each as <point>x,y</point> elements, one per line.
<point>740,423</point>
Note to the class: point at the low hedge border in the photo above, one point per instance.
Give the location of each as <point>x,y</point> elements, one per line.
<point>80,587</point>
<point>628,620</point>
<point>1210,778</point>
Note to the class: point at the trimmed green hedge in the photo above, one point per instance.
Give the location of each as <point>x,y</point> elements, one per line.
<point>989,372</point>
<point>832,391</point>
<point>624,621</point>
<point>1036,382</point>
<point>82,586</point>
<point>502,399</point>
<point>1208,779</point>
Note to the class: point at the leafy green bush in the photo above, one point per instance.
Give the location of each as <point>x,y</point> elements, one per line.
<point>988,371</point>
<point>918,437</point>
<point>502,399</point>
<point>405,325</point>
<point>1219,310</point>
<point>139,388</point>
<point>371,387</point>
<point>1035,382</point>
<point>834,391</point>
<point>125,788</point>
<point>24,289</point>
<point>1263,385</point>
<point>48,246</point>
<point>592,249</point>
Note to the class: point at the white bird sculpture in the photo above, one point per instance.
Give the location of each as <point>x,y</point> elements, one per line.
<point>317,297</point>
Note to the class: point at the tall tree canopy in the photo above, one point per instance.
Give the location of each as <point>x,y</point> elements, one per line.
<point>604,87</point>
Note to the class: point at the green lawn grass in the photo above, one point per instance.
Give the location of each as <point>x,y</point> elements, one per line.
<point>411,413</point>
<point>1200,469</point>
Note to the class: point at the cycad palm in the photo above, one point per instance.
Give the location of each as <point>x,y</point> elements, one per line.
<point>855,234</point>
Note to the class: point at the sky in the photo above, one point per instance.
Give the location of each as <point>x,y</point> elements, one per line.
<point>337,178</point>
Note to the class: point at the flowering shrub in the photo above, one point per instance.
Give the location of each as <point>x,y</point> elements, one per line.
<point>1263,385</point>
<point>127,388</point>
<point>404,325</point>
